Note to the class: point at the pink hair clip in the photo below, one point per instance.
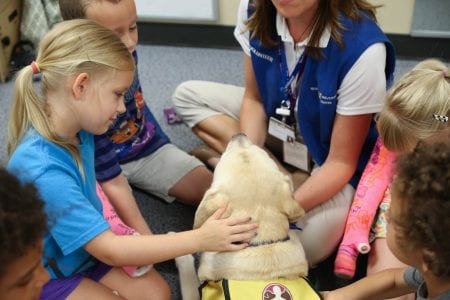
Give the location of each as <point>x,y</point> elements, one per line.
<point>34,66</point>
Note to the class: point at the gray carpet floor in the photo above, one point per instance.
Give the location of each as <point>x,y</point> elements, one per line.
<point>161,70</point>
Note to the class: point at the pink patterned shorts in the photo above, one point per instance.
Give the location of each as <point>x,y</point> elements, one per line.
<point>379,225</point>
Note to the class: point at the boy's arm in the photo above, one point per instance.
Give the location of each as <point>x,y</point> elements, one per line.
<point>385,284</point>
<point>121,197</point>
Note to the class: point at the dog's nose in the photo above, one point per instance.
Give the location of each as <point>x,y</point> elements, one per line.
<point>240,138</point>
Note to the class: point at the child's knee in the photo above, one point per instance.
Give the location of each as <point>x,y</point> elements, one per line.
<point>152,286</point>
<point>184,92</point>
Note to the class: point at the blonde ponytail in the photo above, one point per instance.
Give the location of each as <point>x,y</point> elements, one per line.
<point>416,107</point>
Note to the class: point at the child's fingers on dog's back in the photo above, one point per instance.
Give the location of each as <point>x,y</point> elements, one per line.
<point>236,247</point>
<point>219,212</point>
<point>240,240</point>
<point>243,236</point>
<point>246,229</point>
<point>239,220</point>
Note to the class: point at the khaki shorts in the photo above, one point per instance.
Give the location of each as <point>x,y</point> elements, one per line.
<point>158,172</point>
<point>196,100</point>
<point>323,226</point>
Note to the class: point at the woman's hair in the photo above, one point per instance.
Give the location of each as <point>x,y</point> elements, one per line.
<point>422,185</point>
<point>416,107</point>
<point>70,48</point>
<point>262,22</point>
<point>22,219</point>
<point>76,9</point>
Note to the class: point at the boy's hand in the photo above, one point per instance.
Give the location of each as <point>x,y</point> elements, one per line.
<point>228,234</point>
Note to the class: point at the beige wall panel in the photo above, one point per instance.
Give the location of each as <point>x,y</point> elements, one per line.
<point>394,17</point>
<point>228,11</point>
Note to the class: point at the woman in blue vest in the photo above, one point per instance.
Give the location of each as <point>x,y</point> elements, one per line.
<point>316,71</point>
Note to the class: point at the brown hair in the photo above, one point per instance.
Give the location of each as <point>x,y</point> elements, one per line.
<point>262,22</point>
<point>76,9</point>
<point>22,219</point>
<point>422,185</point>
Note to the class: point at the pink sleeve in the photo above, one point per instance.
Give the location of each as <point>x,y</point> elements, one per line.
<point>370,191</point>
<point>119,228</point>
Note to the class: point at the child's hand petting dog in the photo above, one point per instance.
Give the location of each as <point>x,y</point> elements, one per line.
<point>225,234</point>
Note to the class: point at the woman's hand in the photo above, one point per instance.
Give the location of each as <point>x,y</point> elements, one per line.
<point>225,234</point>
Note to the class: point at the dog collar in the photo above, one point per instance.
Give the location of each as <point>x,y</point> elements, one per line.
<point>268,242</point>
<point>294,226</point>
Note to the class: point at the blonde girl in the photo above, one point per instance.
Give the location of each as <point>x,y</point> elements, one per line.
<point>85,71</point>
<point>417,109</point>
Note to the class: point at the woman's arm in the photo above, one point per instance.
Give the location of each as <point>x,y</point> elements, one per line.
<point>216,234</point>
<point>347,139</point>
<point>385,284</point>
<point>119,194</point>
<point>253,119</point>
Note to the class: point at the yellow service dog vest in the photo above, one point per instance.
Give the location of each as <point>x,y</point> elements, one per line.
<point>277,289</point>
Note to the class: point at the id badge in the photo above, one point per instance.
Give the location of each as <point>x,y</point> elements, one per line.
<point>281,130</point>
<point>297,155</point>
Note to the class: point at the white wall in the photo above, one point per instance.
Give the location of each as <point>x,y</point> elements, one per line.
<point>178,10</point>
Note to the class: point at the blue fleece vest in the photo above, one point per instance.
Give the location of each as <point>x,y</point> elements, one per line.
<point>322,78</point>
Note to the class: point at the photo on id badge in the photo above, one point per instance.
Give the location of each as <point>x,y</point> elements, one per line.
<point>295,152</point>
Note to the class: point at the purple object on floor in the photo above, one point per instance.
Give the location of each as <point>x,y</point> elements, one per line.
<point>171,116</point>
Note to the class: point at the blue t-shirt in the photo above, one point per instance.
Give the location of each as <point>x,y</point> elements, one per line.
<point>134,134</point>
<point>414,279</point>
<point>74,211</point>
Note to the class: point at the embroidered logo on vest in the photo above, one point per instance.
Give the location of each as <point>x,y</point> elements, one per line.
<point>323,98</point>
<point>276,291</point>
<point>261,55</point>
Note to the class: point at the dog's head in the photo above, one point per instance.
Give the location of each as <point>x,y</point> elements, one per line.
<point>246,179</point>
<point>245,163</point>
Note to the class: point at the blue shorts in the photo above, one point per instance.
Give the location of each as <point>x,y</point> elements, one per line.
<point>63,287</point>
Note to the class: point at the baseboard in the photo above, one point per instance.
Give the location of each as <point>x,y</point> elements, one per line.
<point>421,47</point>
<point>219,36</point>
<point>188,35</point>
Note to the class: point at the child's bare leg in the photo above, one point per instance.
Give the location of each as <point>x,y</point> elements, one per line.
<point>148,286</point>
<point>381,258</point>
<point>192,186</point>
<point>89,289</point>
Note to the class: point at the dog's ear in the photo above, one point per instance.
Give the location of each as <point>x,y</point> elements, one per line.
<point>212,200</point>
<point>289,206</point>
<point>293,210</point>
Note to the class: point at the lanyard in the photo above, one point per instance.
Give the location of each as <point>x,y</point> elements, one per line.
<point>289,96</point>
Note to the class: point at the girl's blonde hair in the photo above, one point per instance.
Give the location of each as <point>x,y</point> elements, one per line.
<point>417,107</point>
<point>71,47</point>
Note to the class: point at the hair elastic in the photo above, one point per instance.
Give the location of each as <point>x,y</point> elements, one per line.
<point>34,66</point>
<point>440,118</point>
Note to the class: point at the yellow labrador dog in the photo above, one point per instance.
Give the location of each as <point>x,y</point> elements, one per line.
<point>250,183</point>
